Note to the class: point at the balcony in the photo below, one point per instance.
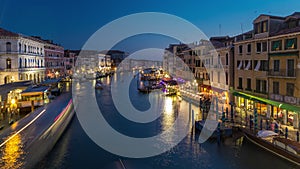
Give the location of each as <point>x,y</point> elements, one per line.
<point>20,53</point>
<point>261,92</point>
<point>22,69</point>
<point>240,88</point>
<point>248,89</point>
<point>31,69</point>
<point>9,70</point>
<point>282,73</point>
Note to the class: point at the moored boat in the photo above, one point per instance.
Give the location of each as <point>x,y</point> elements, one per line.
<point>284,148</point>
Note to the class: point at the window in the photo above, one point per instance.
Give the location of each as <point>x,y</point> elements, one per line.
<point>258,86</point>
<point>257,28</point>
<point>276,65</point>
<point>277,45</point>
<point>291,43</point>
<point>8,47</point>
<point>25,48</point>
<point>240,49</point>
<point>20,63</point>
<point>261,27</point>
<point>226,76</point>
<point>240,64</point>
<point>227,59</point>
<point>290,68</point>
<point>197,63</point>
<point>275,87</point>
<point>20,47</point>
<point>248,84</point>
<point>292,24</point>
<point>264,46</point>
<point>258,47</point>
<point>219,77</point>
<point>219,59</point>
<point>8,63</point>
<point>248,64</point>
<point>249,48</point>
<point>265,26</point>
<point>212,76</point>
<point>264,65</point>
<point>240,83</point>
<point>257,65</point>
<point>290,89</point>
<point>264,86</point>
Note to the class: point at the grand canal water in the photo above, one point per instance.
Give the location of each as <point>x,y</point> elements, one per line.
<point>76,150</point>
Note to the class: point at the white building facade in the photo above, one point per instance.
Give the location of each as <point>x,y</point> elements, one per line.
<point>21,58</point>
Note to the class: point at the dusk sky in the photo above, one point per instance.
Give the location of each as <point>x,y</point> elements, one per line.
<point>71,23</point>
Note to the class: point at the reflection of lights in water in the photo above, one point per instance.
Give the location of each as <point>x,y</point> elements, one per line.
<point>14,125</point>
<point>169,105</point>
<point>168,119</point>
<point>77,85</point>
<point>12,152</point>
<point>108,80</point>
<point>67,86</point>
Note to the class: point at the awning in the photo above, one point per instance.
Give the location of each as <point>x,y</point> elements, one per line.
<point>218,90</point>
<point>267,101</point>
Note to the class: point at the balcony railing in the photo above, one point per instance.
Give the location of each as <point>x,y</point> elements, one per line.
<point>21,53</point>
<point>22,69</point>
<point>282,73</point>
<point>261,91</point>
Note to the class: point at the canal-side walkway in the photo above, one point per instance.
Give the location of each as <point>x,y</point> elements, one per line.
<point>262,124</point>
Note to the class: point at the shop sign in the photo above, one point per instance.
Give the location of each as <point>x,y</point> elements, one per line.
<point>289,99</point>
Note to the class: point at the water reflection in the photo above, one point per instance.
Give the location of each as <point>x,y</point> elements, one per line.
<point>12,153</point>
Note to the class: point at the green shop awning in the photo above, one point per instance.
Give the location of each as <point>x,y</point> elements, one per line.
<point>267,101</point>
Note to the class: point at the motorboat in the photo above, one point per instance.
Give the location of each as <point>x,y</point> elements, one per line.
<point>272,142</point>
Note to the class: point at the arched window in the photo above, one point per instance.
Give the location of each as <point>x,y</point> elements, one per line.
<point>25,48</point>
<point>20,47</point>
<point>20,63</point>
<point>25,65</point>
<point>8,63</point>
<point>8,47</point>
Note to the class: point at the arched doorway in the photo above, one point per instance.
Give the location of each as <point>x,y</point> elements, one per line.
<point>26,77</point>
<point>30,77</point>
<point>7,79</point>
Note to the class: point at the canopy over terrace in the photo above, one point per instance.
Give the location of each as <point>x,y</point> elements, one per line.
<point>267,101</point>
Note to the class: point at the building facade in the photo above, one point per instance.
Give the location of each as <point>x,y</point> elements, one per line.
<point>54,60</point>
<point>267,71</point>
<point>70,61</point>
<point>221,71</point>
<point>21,58</point>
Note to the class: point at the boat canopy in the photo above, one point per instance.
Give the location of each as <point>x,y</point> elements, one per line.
<point>266,133</point>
